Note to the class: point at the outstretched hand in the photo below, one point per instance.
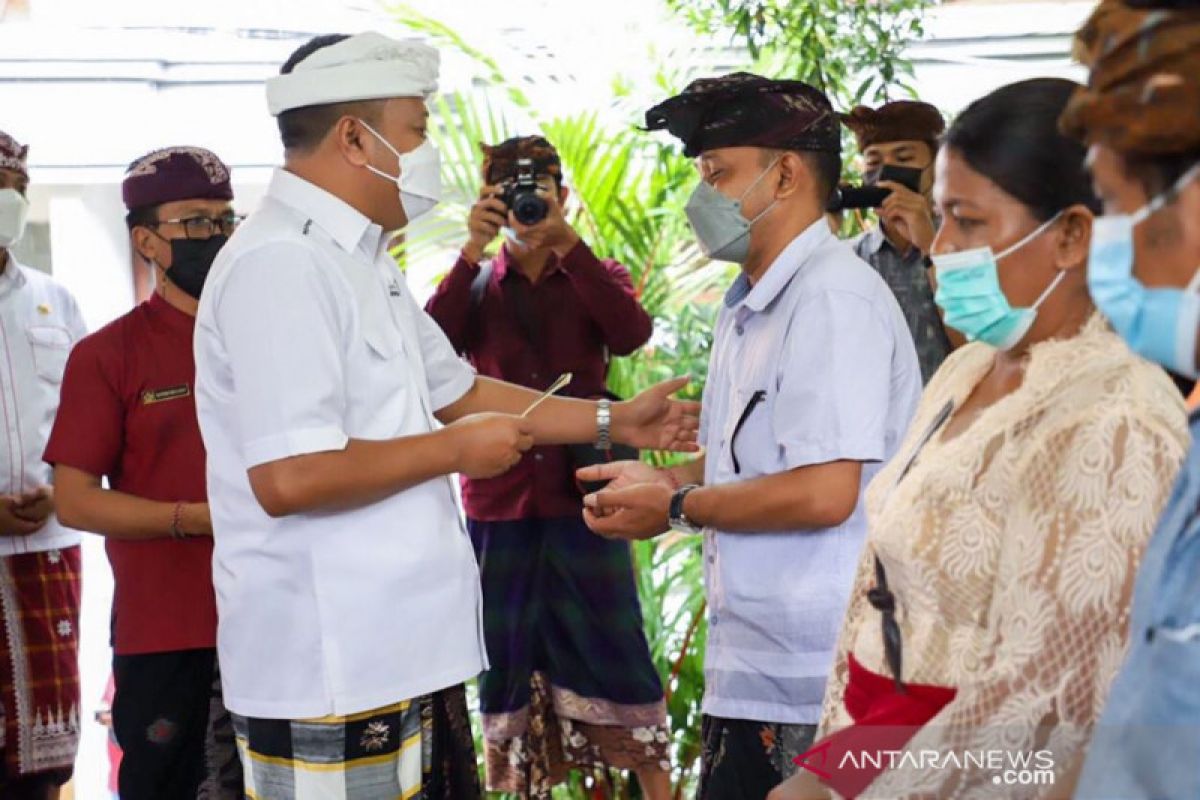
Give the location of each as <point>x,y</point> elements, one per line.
<point>654,420</point>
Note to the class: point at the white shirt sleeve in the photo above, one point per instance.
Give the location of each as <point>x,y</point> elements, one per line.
<point>284,332</point>
<point>448,376</point>
<point>835,386</point>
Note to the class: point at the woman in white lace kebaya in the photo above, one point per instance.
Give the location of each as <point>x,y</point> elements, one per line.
<point>1009,527</point>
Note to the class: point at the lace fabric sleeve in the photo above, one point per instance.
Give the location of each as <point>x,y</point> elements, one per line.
<point>1091,494</point>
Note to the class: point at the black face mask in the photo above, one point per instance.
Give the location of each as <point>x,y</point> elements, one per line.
<point>191,259</point>
<point>908,177</point>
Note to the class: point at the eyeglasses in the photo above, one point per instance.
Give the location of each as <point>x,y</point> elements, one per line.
<point>205,227</point>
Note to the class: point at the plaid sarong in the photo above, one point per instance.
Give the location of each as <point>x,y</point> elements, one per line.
<point>419,748</point>
<point>39,665</point>
<point>572,683</point>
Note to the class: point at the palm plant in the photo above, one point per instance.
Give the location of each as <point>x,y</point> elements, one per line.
<point>628,192</point>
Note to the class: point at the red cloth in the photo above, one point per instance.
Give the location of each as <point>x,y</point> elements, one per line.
<point>584,305</point>
<point>39,668</point>
<point>884,720</point>
<point>128,412</point>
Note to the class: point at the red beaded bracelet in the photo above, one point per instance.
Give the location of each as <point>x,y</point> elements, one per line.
<point>176,518</point>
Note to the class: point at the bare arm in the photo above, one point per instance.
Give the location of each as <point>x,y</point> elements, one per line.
<point>688,472</point>
<point>365,472</point>
<point>559,420</point>
<point>651,420</point>
<point>818,496</point>
<point>813,497</point>
<point>84,504</point>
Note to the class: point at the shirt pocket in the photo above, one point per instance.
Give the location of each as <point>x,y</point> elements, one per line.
<point>383,341</point>
<point>50,346</point>
<point>750,450</point>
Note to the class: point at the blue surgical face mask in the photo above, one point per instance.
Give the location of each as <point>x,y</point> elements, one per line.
<point>972,301</point>
<point>1159,324</point>
<point>720,227</point>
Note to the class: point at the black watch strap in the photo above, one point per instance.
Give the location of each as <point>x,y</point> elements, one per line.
<point>675,510</point>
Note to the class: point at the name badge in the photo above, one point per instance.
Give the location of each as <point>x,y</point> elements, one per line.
<point>150,397</point>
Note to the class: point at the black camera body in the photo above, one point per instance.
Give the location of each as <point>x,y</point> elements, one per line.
<point>847,197</point>
<point>521,195</point>
<point>869,195</point>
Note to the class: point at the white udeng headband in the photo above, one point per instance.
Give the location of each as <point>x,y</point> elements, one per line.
<point>364,81</point>
<point>369,66</point>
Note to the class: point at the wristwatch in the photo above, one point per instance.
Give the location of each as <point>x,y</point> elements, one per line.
<point>604,424</point>
<point>679,520</point>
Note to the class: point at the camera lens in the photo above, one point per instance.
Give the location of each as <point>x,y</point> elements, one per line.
<point>529,209</point>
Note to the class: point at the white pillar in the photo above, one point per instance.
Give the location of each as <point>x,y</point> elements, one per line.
<point>89,248</point>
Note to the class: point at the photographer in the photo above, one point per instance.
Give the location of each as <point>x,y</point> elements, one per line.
<point>562,620</point>
<point>898,143</point>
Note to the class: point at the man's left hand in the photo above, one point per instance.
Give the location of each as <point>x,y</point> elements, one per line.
<point>655,421</point>
<point>553,232</point>
<point>636,512</point>
<point>35,506</point>
<point>907,214</point>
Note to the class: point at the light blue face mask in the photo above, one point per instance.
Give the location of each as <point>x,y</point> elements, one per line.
<point>720,227</point>
<point>972,301</point>
<point>1159,324</point>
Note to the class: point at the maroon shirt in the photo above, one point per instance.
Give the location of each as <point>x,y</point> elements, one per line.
<point>128,412</point>
<point>580,310</point>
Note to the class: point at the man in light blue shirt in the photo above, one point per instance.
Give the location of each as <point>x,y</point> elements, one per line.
<point>812,383</point>
<point>1139,118</point>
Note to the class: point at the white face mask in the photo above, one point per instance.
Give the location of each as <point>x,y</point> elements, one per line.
<point>420,178</point>
<point>14,212</point>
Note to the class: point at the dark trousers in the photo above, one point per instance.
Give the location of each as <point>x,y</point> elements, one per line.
<point>33,787</point>
<point>173,728</point>
<point>745,760</point>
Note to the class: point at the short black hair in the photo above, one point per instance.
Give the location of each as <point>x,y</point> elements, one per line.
<point>302,129</point>
<point>145,216</point>
<point>1011,137</point>
<point>1158,173</point>
<point>825,166</point>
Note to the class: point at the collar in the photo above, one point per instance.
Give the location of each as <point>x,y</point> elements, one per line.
<point>13,277</point>
<point>777,276</point>
<point>875,239</point>
<point>350,230</point>
<point>504,261</point>
<point>160,309</point>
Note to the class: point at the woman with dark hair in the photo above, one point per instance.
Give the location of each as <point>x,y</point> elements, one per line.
<point>991,602</point>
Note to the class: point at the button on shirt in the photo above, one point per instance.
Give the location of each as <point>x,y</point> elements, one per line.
<point>585,308</point>
<point>307,336</point>
<point>39,323</point>
<point>1146,745</point>
<point>816,364</point>
<point>128,413</point>
<point>908,278</point>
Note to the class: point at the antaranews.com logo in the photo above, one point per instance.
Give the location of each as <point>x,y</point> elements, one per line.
<point>1008,767</point>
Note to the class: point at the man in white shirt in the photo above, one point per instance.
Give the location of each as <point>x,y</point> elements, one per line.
<point>811,385</point>
<point>39,558</point>
<point>347,590</point>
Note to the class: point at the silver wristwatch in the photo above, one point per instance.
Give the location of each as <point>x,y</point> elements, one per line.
<point>604,424</point>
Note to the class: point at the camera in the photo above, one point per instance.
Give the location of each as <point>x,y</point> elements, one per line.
<point>847,197</point>
<point>869,195</point>
<point>521,195</point>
